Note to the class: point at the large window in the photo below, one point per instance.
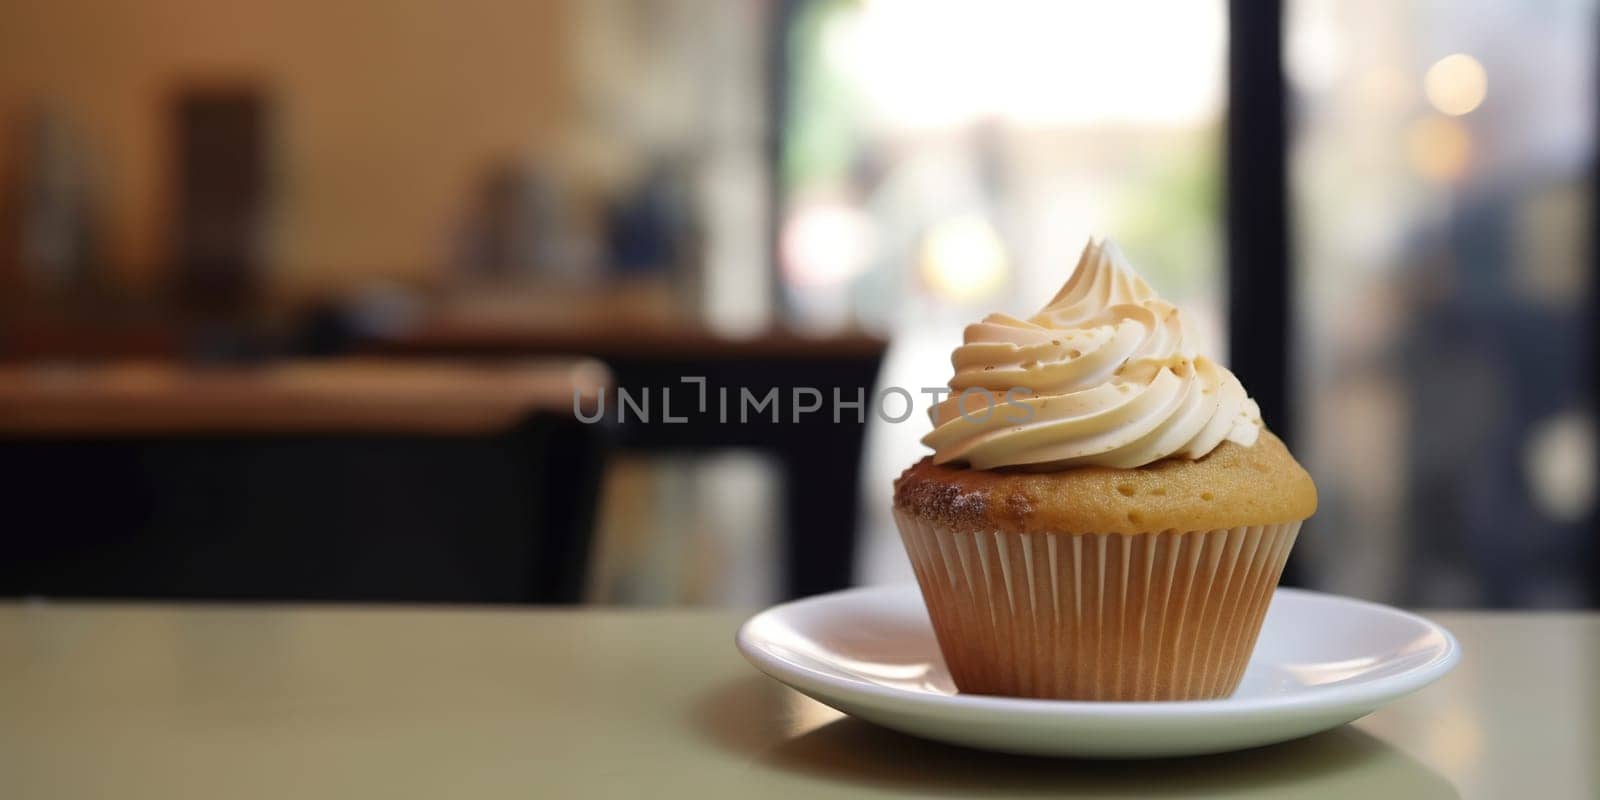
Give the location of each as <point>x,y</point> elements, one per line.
<point>946,159</point>
<point>1440,157</point>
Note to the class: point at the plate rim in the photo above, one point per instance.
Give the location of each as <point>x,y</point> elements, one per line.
<point>1367,694</point>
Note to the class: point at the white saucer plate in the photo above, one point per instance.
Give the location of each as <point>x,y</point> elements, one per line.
<point>1321,661</point>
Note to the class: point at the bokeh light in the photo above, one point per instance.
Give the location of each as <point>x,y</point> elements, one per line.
<point>1439,148</point>
<point>826,245</point>
<point>963,259</point>
<point>1456,84</point>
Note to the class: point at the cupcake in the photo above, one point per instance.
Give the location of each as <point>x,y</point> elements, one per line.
<point>1104,516</point>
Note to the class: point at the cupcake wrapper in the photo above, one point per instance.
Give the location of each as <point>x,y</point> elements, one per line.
<point>1155,616</point>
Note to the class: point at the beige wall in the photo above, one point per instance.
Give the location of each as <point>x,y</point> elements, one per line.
<point>387,111</point>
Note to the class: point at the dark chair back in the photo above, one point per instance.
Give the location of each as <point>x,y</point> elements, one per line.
<point>452,498</point>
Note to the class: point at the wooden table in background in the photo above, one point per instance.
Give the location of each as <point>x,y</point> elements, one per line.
<point>342,396</point>
<point>636,327</point>
<point>161,702</point>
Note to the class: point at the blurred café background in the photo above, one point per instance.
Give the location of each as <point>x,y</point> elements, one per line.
<point>295,296</point>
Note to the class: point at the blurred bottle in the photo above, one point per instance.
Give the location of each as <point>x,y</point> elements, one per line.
<point>52,242</point>
<point>649,227</point>
<point>521,229</point>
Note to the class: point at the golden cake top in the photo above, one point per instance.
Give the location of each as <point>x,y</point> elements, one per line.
<point>1231,486</point>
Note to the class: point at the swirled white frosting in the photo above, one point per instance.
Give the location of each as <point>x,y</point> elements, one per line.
<point>1106,374</point>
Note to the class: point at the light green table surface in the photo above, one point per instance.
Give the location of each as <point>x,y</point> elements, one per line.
<point>123,701</point>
